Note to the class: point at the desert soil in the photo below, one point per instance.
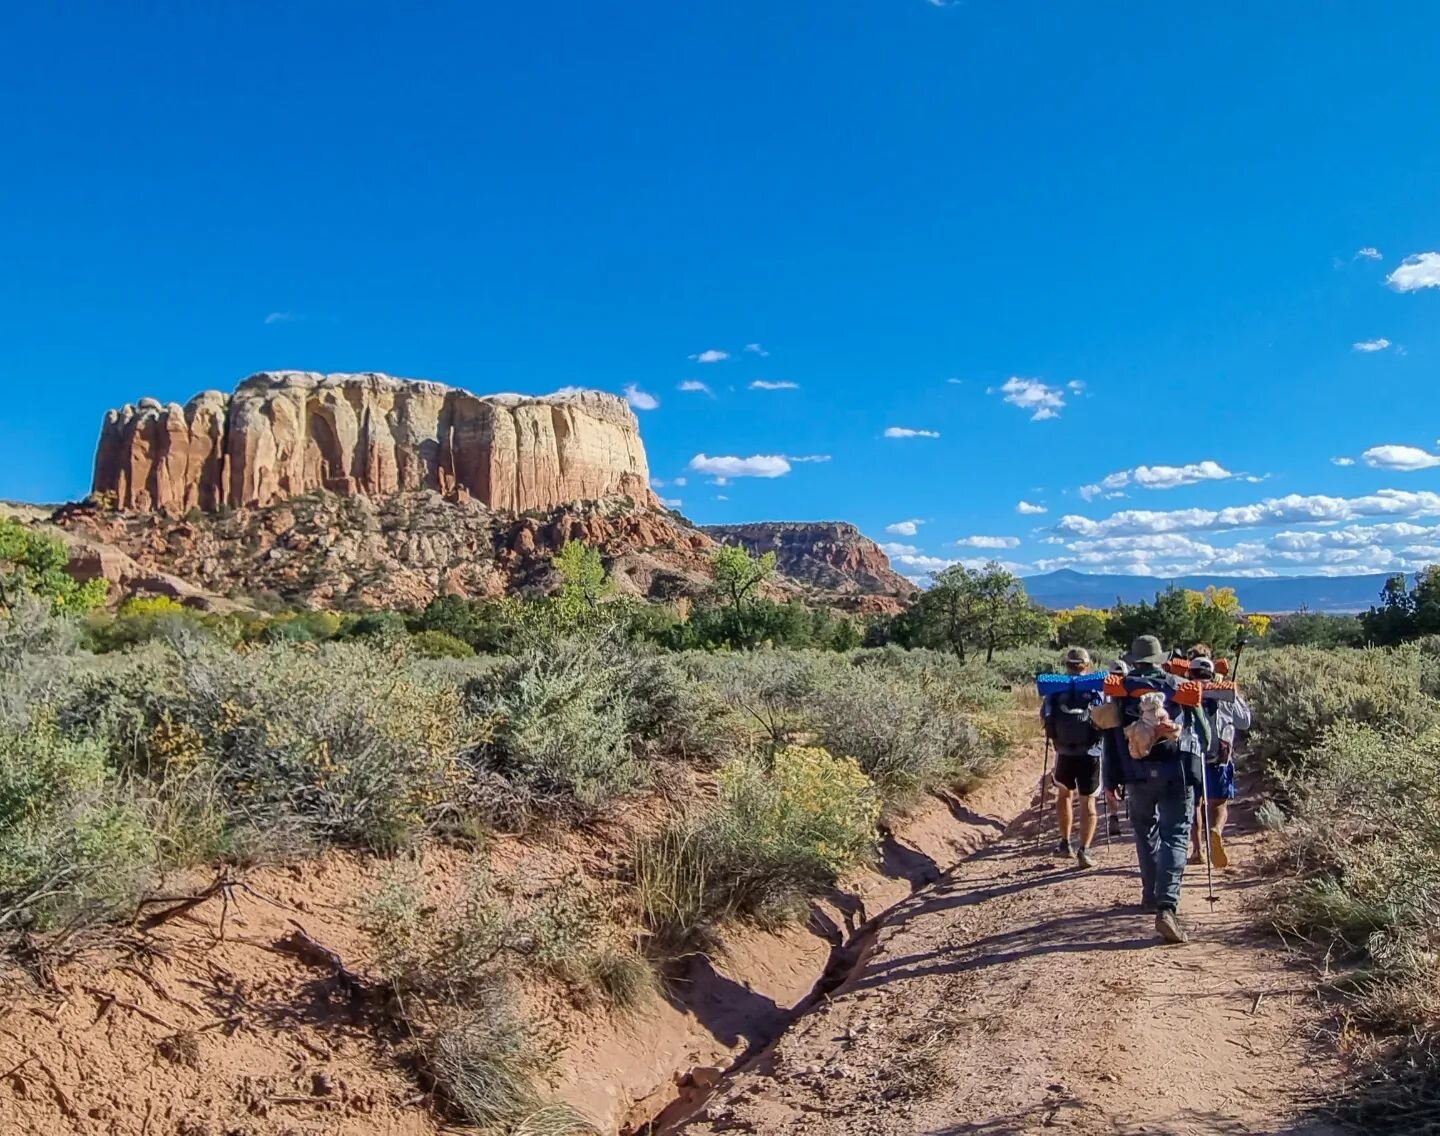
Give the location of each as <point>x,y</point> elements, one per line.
<point>1020,994</point>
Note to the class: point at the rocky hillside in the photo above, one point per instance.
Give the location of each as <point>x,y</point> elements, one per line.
<point>399,551</point>
<point>286,433</point>
<point>830,555</point>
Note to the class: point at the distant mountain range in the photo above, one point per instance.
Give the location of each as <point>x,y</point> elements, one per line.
<point>1273,594</point>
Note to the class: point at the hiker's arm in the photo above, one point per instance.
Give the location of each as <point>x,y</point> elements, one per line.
<point>1113,767</point>
<point>1047,719</point>
<point>1240,714</point>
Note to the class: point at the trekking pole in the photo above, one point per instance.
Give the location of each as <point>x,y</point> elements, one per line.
<point>1239,649</point>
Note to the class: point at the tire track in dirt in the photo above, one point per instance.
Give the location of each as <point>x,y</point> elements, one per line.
<point>1021,995</point>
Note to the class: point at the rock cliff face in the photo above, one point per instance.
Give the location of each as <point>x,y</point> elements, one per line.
<point>286,433</point>
<point>831,555</point>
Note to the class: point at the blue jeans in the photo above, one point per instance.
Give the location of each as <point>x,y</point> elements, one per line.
<point>1161,813</point>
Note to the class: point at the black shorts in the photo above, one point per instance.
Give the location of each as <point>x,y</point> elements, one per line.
<point>1078,772</point>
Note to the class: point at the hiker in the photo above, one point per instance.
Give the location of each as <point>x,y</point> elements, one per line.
<point>1160,785</point>
<point>1228,718</point>
<point>1077,758</point>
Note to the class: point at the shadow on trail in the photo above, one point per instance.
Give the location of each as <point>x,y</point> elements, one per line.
<point>1063,1113</point>
<point>729,1011</point>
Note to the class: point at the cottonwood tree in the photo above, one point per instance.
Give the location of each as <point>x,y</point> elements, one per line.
<point>975,607</point>
<point>32,563</point>
<point>1179,617</point>
<point>738,574</point>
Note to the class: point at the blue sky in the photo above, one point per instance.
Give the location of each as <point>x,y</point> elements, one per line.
<point>1071,242</point>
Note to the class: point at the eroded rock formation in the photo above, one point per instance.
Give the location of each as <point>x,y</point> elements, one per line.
<point>286,433</point>
<point>832,555</point>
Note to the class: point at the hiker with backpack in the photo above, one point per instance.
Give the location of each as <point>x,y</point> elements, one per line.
<point>1076,740</point>
<point>1228,717</point>
<point>1153,759</point>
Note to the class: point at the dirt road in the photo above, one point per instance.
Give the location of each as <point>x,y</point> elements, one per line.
<point>1020,995</point>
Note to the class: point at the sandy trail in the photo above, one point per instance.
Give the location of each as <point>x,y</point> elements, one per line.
<point>1021,995</point>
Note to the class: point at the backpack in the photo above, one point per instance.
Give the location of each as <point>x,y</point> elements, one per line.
<point>1071,725</point>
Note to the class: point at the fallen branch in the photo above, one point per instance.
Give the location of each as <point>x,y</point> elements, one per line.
<point>312,952</point>
<point>112,999</point>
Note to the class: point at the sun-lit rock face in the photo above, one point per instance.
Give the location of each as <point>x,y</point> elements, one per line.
<point>286,433</point>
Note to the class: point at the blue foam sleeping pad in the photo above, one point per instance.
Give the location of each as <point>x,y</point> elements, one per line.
<point>1048,684</point>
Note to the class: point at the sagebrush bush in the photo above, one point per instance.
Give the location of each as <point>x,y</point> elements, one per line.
<point>72,846</point>
<point>780,831</point>
<point>1359,857</point>
<point>1297,694</point>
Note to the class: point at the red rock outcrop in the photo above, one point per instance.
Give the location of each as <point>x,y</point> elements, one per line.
<point>283,434</point>
<point>832,555</point>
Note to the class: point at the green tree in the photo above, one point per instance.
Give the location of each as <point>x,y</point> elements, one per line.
<point>1179,617</point>
<point>32,563</point>
<point>1394,620</point>
<point>1306,628</point>
<point>974,607</point>
<point>738,574</point>
<point>583,582</point>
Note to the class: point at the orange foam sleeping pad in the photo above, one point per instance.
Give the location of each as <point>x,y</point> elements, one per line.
<point>1181,667</point>
<point>1187,693</point>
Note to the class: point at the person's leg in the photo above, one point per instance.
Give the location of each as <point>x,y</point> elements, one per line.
<point>1196,857</point>
<point>1222,792</point>
<point>1064,816</point>
<point>1087,821</point>
<point>1145,825</point>
<point>1175,810</point>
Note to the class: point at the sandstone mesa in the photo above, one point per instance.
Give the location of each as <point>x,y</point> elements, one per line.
<point>283,434</point>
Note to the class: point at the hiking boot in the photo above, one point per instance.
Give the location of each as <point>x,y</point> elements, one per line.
<point>1114,825</point>
<point>1064,849</point>
<point>1086,858</point>
<point>1194,857</point>
<point>1168,927</point>
<point>1218,856</point>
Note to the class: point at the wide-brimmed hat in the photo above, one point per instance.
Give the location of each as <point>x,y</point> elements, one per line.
<point>1145,649</point>
<point>1201,665</point>
<point>1077,657</point>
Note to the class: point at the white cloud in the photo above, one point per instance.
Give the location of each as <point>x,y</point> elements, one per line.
<point>721,497</point>
<point>1026,509</point>
<point>905,528</point>
<point>907,432</point>
<point>671,502</point>
<point>893,548</point>
<point>697,387</point>
<point>1043,400</point>
<point>639,399</point>
<point>279,317</point>
<point>1156,477</point>
<point>1406,458</point>
<point>1416,272</point>
<point>809,457</point>
<point>922,563</point>
<point>657,483</point>
<point>756,349</point>
<point>1371,345</point>
<point>767,385</point>
<point>680,481</point>
<point>1075,386</point>
<point>1342,461</point>
<point>1291,509</point>
<point>988,542</point>
<point>758,465</point>
<point>956,382</point>
<point>1369,252</point>
<point>712,355</point>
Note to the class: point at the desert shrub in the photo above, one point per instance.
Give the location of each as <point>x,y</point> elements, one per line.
<point>140,620</point>
<point>1298,694</point>
<point>338,743</point>
<point>72,848</point>
<point>1361,856</point>
<point>438,645</point>
<point>911,729</point>
<point>576,723</point>
<point>485,1063</point>
<point>779,832</point>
